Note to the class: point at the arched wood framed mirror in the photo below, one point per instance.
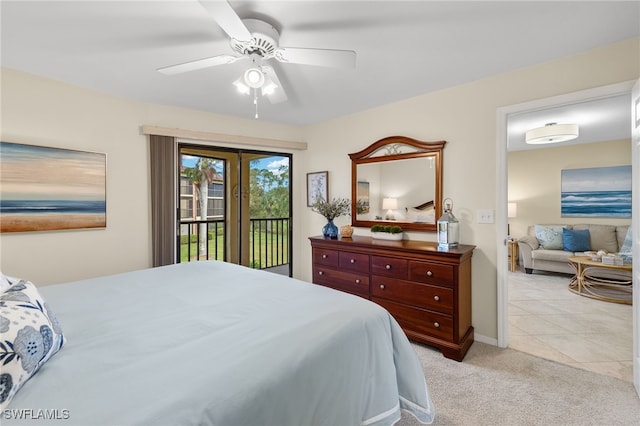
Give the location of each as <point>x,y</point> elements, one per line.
<point>397,181</point>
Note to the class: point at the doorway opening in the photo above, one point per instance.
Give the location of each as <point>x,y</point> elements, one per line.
<point>504,115</point>
<point>235,206</point>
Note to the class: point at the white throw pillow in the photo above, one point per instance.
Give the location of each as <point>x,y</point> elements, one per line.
<point>626,250</point>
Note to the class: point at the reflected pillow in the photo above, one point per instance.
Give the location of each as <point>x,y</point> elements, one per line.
<point>421,216</point>
<point>30,334</point>
<point>576,240</point>
<point>550,237</point>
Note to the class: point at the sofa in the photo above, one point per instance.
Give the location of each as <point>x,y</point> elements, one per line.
<point>549,247</point>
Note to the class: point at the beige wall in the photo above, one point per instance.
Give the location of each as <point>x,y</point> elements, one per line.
<point>44,112</point>
<point>534,180</point>
<point>464,116</point>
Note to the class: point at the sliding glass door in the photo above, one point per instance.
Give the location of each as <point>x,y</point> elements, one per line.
<point>235,206</point>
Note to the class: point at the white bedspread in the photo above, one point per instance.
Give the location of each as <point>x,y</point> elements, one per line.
<point>215,343</point>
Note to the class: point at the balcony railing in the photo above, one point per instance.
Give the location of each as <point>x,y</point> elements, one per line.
<point>189,241</point>
<point>268,241</point>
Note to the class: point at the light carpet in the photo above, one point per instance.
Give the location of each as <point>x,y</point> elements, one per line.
<point>494,386</point>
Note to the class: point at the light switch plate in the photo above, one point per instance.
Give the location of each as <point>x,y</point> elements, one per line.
<point>485,216</point>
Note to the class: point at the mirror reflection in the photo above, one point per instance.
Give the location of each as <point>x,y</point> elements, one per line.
<point>397,180</point>
<point>388,195</point>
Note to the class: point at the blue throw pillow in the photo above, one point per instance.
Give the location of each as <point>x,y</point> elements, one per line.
<point>576,239</point>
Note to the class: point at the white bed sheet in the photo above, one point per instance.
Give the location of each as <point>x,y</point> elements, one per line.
<point>220,344</point>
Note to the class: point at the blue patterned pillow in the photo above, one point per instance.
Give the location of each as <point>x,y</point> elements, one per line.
<point>550,237</point>
<point>626,250</point>
<point>30,335</point>
<point>576,240</point>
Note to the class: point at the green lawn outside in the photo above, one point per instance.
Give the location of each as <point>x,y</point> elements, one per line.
<point>264,255</point>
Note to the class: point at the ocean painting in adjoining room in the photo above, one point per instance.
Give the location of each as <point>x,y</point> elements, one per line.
<point>596,192</point>
<point>44,189</point>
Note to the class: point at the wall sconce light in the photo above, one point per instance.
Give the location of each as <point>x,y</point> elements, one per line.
<point>390,204</point>
<point>552,133</point>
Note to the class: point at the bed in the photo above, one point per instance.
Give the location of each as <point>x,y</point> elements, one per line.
<point>215,343</point>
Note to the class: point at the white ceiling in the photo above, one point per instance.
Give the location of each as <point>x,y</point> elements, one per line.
<point>404,49</point>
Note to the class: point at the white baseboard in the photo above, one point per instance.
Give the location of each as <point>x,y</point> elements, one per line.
<point>484,339</point>
<point>636,373</point>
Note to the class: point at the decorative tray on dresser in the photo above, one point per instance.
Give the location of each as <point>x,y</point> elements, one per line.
<point>426,290</point>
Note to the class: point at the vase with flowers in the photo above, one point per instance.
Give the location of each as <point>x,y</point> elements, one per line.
<point>336,207</point>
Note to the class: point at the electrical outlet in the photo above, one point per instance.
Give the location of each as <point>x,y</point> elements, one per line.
<point>485,216</point>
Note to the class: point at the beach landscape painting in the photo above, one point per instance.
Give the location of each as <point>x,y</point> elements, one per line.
<point>45,189</point>
<point>596,192</point>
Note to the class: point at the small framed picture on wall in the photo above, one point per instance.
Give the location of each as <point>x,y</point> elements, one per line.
<point>317,187</point>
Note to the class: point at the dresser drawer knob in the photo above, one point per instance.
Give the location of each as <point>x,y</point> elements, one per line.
<point>382,286</point>
<point>353,261</point>
<point>429,273</point>
<point>357,281</point>
<point>320,273</point>
<point>324,256</point>
<point>436,298</point>
<point>436,324</point>
<point>388,267</point>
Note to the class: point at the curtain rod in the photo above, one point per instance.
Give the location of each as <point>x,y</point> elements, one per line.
<point>221,137</point>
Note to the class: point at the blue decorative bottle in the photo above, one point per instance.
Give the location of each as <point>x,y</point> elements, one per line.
<point>330,230</point>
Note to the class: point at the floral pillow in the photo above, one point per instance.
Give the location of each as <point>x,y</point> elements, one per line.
<point>30,335</point>
<point>5,282</point>
<point>550,237</point>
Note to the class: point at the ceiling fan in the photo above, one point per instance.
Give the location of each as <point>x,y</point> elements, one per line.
<point>257,41</point>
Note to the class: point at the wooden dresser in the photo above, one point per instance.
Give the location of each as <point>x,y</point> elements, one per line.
<point>427,291</point>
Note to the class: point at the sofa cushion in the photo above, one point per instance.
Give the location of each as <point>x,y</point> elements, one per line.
<point>603,237</point>
<point>575,240</point>
<point>550,237</point>
<point>552,255</point>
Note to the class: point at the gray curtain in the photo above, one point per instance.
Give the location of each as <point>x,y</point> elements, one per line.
<point>162,158</point>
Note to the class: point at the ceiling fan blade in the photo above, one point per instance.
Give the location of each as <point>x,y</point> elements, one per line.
<point>278,94</point>
<point>199,64</point>
<point>320,57</point>
<point>228,19</point>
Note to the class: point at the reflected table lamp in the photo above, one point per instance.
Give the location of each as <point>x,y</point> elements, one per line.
<point>390,204</point>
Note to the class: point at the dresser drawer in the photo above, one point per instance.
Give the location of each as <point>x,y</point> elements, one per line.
<point>389,267</point>
<point>325,257</point>
<point>412,293</point>
<point>419,320</point>
<point>431,273</point>
<point>354,262</point>
<point>345,281</point>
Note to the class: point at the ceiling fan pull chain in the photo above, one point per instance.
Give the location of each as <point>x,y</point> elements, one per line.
<point>255,101</point>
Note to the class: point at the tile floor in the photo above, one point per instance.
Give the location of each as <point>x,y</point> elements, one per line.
<point>549,321</point>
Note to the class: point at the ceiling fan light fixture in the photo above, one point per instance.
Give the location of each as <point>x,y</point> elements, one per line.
<point>552,133</point>
<point>254,78</point>
<point>242,88</point>
<point>269,86</point>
